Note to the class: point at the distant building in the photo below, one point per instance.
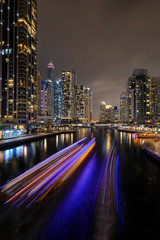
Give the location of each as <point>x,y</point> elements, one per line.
<point>155,97</point>
<point>109,114</point>
<point>67,108</point>
<point>88,104</point>
<point>124,107</point>
<point>39,94</point>
<point>103,112</point>
<point>57,99</point>
<point>44,100</point>
<point>80,103</point>
<point>115,114</point>
<point>18,61</point>
<point>74,84</point>
<point>138,96</point>
<point>50,86</point>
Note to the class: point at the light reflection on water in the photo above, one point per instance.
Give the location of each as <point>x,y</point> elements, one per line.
<point>16,160</point>
<point>76,207</point>
<point>45,144</point>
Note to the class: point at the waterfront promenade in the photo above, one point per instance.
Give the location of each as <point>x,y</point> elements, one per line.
<point>7,143</point>
<point>152,148</point>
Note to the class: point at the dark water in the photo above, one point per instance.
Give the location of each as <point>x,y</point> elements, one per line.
<point>68,214</point>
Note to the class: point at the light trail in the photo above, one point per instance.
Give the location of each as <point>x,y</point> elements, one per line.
<point>41,177</point>
<point>37,182</point>
<point>38,166</point>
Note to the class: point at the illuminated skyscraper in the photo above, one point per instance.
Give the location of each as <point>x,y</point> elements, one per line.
<point>39,94</point>
<point>74,84</point>
<point>103,112</point>
<point>80,103</point>
<point>155,97</point>
<point>18,61</point>
<point>106,113</point>
<point>124,107</point>
<point>57,99</point>
<point>66,96</point>
<point>88,104</point>
<point>50,85</point>
<point>115,114</point>
<point>44,100</point>
<point>138,96</point>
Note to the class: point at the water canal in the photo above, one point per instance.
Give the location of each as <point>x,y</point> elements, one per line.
<point>68,214</point>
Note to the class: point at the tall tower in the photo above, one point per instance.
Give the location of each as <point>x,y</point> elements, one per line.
<point>138,95</point>
<point>50,86</point>
<point>80,103</point>
<point>18,61</point>
<point>74,84</point>
<point>88,104</point>
<point>155,97</point>
<point>103,112</point>
<point>39,94</point>
<point>66,96</point>
<point>124,107</point>
<point>57,99</point>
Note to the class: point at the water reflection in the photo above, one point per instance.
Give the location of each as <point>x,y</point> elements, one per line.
<point>25,151</point>
<point>1,157</point>
<point>16,160</point>
<point>57,137</point>
<point>108,142</point>
<point>76,207</point>
<point>62,138</point>
<point>45,144</point>
<point>71,138</point>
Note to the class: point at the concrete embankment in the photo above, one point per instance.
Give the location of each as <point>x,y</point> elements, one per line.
<point>8,143</point>
<point>152,148</point>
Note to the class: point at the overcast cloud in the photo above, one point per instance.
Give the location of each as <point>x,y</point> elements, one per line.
<point>100,39</point>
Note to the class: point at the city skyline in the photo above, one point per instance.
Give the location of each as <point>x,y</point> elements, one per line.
<point>100,43</point>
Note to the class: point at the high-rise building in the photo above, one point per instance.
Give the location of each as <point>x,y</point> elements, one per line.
<point>66,96</point>
<point>74,84</point>
<point>57,99</point>
<point>88,104</point>
<point>39,94</point>
<point>124,107</point>
<point>106,113</point>
<point>155,97</point>
<point>80,103</point>
<point>138,96</point>
<point>103,112</point>
<point>50,86</point>
<point>115,113</point>
<point>109,114</point>
<point>18,61</point>
<point>44,100</point>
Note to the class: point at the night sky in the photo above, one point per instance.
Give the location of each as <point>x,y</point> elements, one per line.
<point>102,39</point>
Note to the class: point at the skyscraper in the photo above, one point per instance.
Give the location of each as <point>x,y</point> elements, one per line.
<point>138,95</point>
<point>18,61</point>
<point>88,104</point>
<point>103,112</point>
<point>39,94</point>
<point>57,99</point>
<point>50,86</point>
<point>115,113</point>
<point>124,107</point>
<point>155,97</point>
<point>66,96</point>
<point>74,84</point>
<point>80,103</point>
<point>44,100</point>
